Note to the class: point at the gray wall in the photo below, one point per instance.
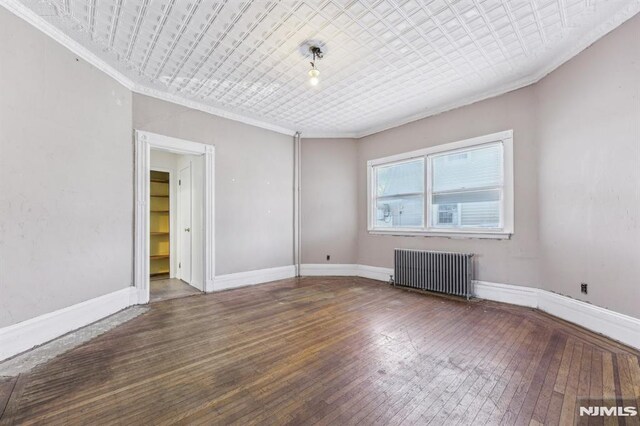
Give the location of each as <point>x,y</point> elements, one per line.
<point>589,178</point>
<point>329,215</point>
<point>66,184</point>
<point>577,177</point>
<point>253,180</point>
<point>514,261</point>
<point>66,165</point>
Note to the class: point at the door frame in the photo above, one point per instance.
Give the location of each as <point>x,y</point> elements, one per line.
<point>144,141</point>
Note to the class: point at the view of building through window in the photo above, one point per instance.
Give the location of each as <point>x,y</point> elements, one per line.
<point>465,192</point>
<point>400,194</point>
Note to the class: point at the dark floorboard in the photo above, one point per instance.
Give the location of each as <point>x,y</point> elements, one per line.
<point>328,351</point>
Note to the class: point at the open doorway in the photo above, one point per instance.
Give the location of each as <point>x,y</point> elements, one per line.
<point>174,217</point>
<point>175,225</point>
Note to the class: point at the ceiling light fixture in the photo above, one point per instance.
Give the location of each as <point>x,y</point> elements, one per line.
<point>314,73</point>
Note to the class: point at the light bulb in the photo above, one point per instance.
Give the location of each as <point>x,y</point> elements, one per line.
<point>313,77</point>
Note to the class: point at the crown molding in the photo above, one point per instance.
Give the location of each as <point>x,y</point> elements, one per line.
<point>329,135</point>
<point>219,112</point>
<point>28,15</point>
<point>591,37</point>
<point>22,11</point>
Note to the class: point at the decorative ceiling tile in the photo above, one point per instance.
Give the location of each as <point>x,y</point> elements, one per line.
<point>387,61</point>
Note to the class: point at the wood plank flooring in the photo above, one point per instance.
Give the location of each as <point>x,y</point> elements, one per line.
<point>171,288</point>
<point>328,351</point>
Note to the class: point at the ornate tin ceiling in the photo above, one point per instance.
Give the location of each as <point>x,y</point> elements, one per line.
<point>387,61</point>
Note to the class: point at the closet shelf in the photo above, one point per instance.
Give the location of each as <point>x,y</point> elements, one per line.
<point>159,215</point>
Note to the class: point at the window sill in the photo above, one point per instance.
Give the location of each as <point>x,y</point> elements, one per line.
<point>445,234</point>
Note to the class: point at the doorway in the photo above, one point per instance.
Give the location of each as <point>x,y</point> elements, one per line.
<point>175,224</point>
<point>174,217</point>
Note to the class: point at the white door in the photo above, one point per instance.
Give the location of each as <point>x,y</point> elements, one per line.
<point>184,227</point>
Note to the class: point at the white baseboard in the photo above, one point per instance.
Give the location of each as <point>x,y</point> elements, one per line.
<point>328,269</point>
<point>614,325</point>
<point>620,327</point>
<point>345,270</point>
<point>24,335</point>
<point>241,279</point>
<point>513,294</point>
<point>375,272</point>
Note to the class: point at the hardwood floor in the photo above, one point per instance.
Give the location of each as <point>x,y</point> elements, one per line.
<point>171,288</point>
<point>328,351</point>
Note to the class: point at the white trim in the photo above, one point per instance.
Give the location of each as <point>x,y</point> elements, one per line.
<point>219,112</point>
<point>24,335</point>
<point>141,220</point>
<point>442,148</point>
<point>620,327</point>
<point>333,135</point>
<point>144,142</point>
<point>259,276</point>
<point>345,270</point>
<point>37,21</point>
<point>328,269</point>
<point>375,272</point>
<point>58,35</point>
<point>512,294</point>
<point>209,220</point>
<point>23,12</point>
<point>505,138</point>
<point>591,37</point>
<point>464,235</point>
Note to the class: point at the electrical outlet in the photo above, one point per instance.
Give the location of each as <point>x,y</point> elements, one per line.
<point>583,288</point>
<point>328,257</point>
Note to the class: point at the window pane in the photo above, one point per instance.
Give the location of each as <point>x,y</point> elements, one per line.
<point>476,209</point>
<point>481,215</point>
<point>467,197</point>
<point>404,178</point>
<point>400,212</point>
<point>475,168</point>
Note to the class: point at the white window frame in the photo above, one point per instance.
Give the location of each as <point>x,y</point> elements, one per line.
<point>506,229</point>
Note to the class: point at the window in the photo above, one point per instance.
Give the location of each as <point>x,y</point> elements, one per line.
<point>467,185</point>
<point>458,189</point>
<point>400,195</point>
